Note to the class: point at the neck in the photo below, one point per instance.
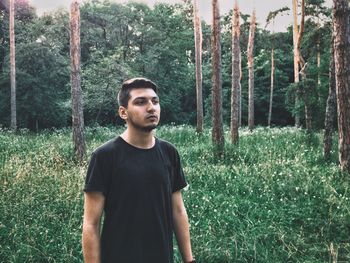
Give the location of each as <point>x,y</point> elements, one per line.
<point>137,138</point>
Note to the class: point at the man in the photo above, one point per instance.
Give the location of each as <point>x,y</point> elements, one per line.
<point>135,179</point>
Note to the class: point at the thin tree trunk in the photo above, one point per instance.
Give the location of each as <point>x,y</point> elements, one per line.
<point>13,66</point>
<point>318,51</point>
<point>240,92</point>
<point>77,99</point>
<point>298,60</point>
<point>236,74</point>
<point>2,46</point>
<point>250,55</point>
<point>198,51</point>
<point>271,87</point>
<point>307,106</point>
<point>342,77</point>
<point>307,91</point>
<point>318,61</point>
<point>296,57</point>
<point>330,108</point>
<point>217,131</point>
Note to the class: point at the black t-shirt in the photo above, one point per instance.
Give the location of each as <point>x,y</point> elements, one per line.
<point>138,186</point>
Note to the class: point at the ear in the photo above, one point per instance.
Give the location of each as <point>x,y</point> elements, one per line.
<point>123,113</point>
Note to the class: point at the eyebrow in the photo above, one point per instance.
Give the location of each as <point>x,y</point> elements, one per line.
<point>143,97</point>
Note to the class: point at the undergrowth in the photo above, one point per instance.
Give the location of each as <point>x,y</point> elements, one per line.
<point>271,198</point>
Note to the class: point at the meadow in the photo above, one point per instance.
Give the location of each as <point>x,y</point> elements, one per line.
<point>272,198</point>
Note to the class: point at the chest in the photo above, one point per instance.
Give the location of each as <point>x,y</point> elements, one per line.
<point>142,170</point>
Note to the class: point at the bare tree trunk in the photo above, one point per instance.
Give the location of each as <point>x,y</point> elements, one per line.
<point>341,32</point>
<point>272,72</point>
<point>2,45</point>
<point>308,90</point>
<point>217,131</point>
<point>13,66</point>
<point>250,55</point>
<point>318,50</point>
<point>271,87</point>
<point>298,60</point>
<point>240,92</point>
<point>330,108</point>
<point>198,51</point>
<point>318,60</point>
<point>77,99</point>
<point>236,74</point>
<point>296,56</point>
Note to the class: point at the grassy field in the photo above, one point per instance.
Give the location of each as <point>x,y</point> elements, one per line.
<point>270,199</point>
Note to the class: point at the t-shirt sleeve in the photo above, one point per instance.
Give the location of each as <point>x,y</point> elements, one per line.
<point>179,177</point>
<point>96,177</point>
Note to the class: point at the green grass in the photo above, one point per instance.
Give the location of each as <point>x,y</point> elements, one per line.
<point>272,198</point>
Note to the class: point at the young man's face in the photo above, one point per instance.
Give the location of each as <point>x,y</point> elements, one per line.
<point>143,111</point>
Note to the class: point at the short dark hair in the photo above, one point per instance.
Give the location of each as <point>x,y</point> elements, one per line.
<point>130,84</point>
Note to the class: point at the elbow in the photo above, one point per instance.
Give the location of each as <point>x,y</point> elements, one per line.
<point>180,212</point>
<point>90,228</point>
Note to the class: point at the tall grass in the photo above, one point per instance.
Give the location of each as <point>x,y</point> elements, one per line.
<point>272,198</point>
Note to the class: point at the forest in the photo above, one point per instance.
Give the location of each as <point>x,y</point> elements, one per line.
<point>123,40</point>
<point>260,120</point>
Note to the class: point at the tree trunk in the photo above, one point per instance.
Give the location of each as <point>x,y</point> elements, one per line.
<point>271,87</point>
<point>318,56</point>
<point>77,99</point>
<point>318,59</point>
<point>330,108</point>
<point>302,64</point>
<point>2,45</point>
<point>198,51</point>
<point>250,55</point>
<point>341,33</point>
<point>236,74</point>
<point>13,66</point>
<point>217,131</point>
<point>240,92</point>
<point>298,60</point>
<point>308,90</point>
<point>296,57</point>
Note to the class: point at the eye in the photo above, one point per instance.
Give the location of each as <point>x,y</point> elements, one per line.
<point>155,101</point>
<point>140,101</point>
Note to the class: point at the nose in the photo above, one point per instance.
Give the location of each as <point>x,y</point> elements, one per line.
<point>150,106</point>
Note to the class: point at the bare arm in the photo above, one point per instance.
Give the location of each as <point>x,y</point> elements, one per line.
<point>93,208</point>
<point>181,227</point>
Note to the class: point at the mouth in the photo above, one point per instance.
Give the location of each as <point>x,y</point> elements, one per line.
<point>152,117</point>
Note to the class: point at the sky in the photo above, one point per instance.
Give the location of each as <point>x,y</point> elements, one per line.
<point>263,7</point>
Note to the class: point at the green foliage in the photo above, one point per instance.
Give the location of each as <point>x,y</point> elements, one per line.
<point>100,77</point>
<point>136,40</point>
<point>271,199</point>
<point>41,88</point>
<point>119,41</point>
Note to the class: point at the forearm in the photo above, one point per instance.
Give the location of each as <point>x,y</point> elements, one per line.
<point>182,233</point>
<point>91,244</point>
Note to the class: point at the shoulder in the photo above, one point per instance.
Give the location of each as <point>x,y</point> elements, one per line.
<point>107,148</point>
<point>167,145</point>
<point>169,149</point>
